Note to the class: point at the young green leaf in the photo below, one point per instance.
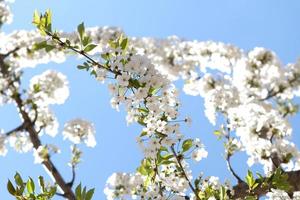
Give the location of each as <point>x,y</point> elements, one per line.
<point>81,30</point>
<point>18,179</point>
<point>251,182</point>
<point>90,47</point>
<point>42,183</point>
<point>30,186</point>
<point>11,189</point>
<point>187,144</point>
<point>39,45</point>
<point>124,43</point>
<point>78,191</point>
<point>89,194</point>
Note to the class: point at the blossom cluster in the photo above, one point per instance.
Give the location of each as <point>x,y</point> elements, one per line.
<point>243,96</point>
<point>131,186</point>
<point>276,194</point>
<point>5,13</point>
<point>48,88</point>
<point>148,97</point>
<point>252,92</point>
<point>79,130</point>
<point>3,150</point>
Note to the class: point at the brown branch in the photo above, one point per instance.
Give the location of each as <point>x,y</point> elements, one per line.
<point>232,170</point>
<point>3,56</point>
<point>228,156</point>
<point>28,125</point>
<point>241,190</point>
<point>178,159</point>
<point>19,128</point>
<point>34,138</point>
<point>80,52</point>
<point>71,183</point>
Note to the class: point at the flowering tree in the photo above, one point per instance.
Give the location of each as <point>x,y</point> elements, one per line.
<point>248,97</point>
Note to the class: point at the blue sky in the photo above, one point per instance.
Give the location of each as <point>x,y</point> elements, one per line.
<point>271,24</point>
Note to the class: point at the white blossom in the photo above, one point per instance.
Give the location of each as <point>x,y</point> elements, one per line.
<point>5,13</point>
<point>199,154</point>
<point>79,130</point>
<point>50,87</point>
<point>3,149</point>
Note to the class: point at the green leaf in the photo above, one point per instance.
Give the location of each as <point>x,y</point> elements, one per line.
<point>143,133</point>
<point>164,149</point>
<point>30,186</point>
<point>48,17</point>
<point>82,67</point>
<point>42,183</point>
<point>143,110</point>
<point>81,30</point>
<point>251,182</point>
<point>78,192</point>
<point>223,195</point>
<point>105,56</point>
<point>90,194</point>
<point>217,133</point>
<point>113,44</point>
<point>83,193</point>
<point>11,189</point>
<point>49,48</point>
<point>36,88</point>
<point>18,179</point>
<point>142,170</point>
<point>167,162</point>
<point>279,180</point>
<point>186,145</point>
<point>43,22</point>
<point>40,45</point>
<point>124,43</point>
<point>134,83</point>
<point>36,18</point>
<point>145,168</point>
<point>89,47</point>
<point>287,158</point>
<point>86,40</point>
<point>52,191</point>
<point>250,198</point>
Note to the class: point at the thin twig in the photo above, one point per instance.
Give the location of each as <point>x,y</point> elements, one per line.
<point>71,183</point>
<point>232,170</point>
<point>81,52</point>
<point>229,156</point>
<point>19,128</point>
<point>184,173</point>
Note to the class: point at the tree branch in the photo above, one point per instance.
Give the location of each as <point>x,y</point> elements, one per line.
<point>28,125</point>
<point>19,128</point>
<point>178,159</point>
<point>80,52</point>
<point>34,138</point>
<point>232,170</point>
<point>71,183</point>
<point>241,190</point>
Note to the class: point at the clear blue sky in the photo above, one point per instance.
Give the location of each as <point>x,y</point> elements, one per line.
<point>271,24</point>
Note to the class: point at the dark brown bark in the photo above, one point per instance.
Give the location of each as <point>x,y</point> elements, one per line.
<point>34,138</point>
<point>241,189</point>
<point>28,125</point>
